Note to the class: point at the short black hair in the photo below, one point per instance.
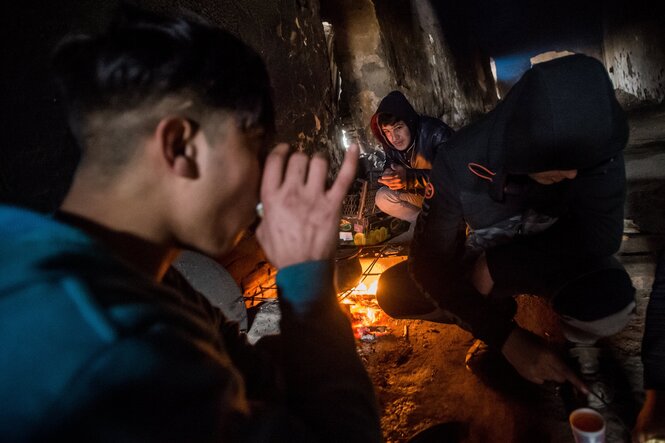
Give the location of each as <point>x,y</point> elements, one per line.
<point>143,58</point>
<point>386,118</point>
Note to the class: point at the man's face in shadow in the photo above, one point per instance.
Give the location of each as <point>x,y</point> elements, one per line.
<point>221,203</point>
<point>398,135</point>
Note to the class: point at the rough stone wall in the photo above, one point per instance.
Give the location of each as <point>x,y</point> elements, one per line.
<point>400,44</point>
<point>462,83</point>
<point>634,53</point>
<point>359,54</point>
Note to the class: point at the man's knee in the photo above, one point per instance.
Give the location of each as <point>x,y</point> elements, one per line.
<point>386,197</point>
<point>397,204</point>
<point>399,296</point>
<point>596,305</point>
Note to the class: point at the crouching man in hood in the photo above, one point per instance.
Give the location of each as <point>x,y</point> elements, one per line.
<point>529,200</point>
<point>410,142</point>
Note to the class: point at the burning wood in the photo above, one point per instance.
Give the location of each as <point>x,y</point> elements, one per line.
<point>360,302</point>
<point>365,313</point>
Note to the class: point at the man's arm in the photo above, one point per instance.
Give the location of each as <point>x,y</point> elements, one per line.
<point>591,229</point>
<point>418,179</point>
<point>437,262</point>
<point>326,384</point>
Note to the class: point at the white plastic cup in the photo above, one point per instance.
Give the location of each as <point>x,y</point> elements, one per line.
<point>588,426</point>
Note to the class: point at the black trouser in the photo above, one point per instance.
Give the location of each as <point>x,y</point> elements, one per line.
<point>595,302</point>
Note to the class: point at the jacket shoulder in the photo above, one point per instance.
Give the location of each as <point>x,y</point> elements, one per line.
<point>435,127</point>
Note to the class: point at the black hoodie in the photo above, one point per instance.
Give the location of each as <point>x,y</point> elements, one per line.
<point>562,114</point>
<point>428,135</point>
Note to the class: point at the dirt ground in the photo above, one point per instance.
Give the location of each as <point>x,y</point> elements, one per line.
<point>420,378</point>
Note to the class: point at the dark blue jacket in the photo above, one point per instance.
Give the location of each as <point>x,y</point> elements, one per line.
<point>91,350</point>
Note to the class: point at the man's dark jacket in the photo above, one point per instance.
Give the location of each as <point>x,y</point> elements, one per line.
<point>561,115</point>
<point>428,135</point>
<point>93,350</point>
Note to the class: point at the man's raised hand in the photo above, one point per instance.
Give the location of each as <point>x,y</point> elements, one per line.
<point>301,216</point>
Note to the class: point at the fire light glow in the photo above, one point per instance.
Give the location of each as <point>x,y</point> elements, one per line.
<point>361,301</point>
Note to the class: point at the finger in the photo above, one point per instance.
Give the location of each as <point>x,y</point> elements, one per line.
<point>556,376</point>
<point>274,169</point>
<point>347,174</point>
<point>577,382</point>
<point>296,170</point>
<point>569,375</point>
<point>318,172</point>
<point>536,380</point>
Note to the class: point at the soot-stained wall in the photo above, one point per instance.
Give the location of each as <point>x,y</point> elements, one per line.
<point>359,54</point>
<point>39,156</point>
<point>381,46</point>
<point>452,79</point>
<point>634,54</point>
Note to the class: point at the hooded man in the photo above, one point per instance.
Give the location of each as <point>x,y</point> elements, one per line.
<point>529,200</point>
<point>410,142</point>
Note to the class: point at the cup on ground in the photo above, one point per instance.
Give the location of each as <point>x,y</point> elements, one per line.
<point>588,426</point>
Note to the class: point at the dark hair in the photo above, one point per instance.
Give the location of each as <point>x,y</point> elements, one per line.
<point>144,57</point>
<point>386,118</point>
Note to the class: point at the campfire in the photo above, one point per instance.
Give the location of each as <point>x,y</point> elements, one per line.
<point>360,301</point>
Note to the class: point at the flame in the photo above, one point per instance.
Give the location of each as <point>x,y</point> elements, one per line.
<point>361,301</point>
<point>362,305</point>
<point>363,289</point>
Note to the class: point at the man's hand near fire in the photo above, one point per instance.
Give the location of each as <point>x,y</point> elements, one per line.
<point>394,177</point>
<point>536,361</point>
<point>528,354</point>
<point>301,216</point>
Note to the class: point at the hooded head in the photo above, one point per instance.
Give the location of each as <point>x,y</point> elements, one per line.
<point>562,115</point>
<point>397,106</point>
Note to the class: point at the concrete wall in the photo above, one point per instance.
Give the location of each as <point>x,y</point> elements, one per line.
<point>461,83</point>
<point>38,154</point>
<point>381,46</point>
<point>359,54</point>
<point>634,54</point>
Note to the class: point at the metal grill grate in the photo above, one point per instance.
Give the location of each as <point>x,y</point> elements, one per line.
<point>362,204</point>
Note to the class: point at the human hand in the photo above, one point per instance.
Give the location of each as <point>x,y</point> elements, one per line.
<point>481,277</point>
<point>651,420</point>
<point>394,177</point>
<point>536,362</point>
<point>301,217</point>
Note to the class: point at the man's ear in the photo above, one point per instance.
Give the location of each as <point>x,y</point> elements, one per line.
<point>176,139</point>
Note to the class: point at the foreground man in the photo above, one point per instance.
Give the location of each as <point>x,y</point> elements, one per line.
<point>173,118</point>
<point>410,142</point>
<point>540,184</point>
